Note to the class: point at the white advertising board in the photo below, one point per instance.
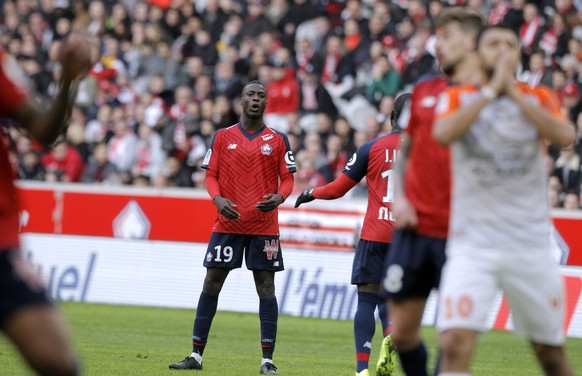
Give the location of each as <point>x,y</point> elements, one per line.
<point>170,274</point>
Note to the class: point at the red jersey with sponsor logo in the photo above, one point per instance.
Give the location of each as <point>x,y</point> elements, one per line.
<point>427,183</point>
<point>248,166</point>
<point>375,160</point>
<point>13,94</point>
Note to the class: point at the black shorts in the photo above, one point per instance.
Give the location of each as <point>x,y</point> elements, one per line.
<point>260,252</point>
<point>414,265</point>
<point>15,291</point>
<point>369,262</point>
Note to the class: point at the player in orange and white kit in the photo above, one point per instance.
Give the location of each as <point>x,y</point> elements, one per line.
<point>421,205</point>
<point>27,316</point>
<point>500,219</point>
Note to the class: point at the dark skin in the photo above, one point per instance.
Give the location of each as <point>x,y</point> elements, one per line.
<point>254,102</point>
<point>38,330</point>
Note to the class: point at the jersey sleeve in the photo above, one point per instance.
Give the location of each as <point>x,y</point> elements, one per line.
<point>287,162</point>
<point>13,85</point>
<point>212,156</point>
<point>549,100</point>
<point>357,166</point>
<point>448,102</point>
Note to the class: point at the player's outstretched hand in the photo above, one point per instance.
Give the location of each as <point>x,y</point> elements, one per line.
<point>273,200</point>
<point>226,208</point>
<point>404,214</point>
<point>305,196</point>
<point>75,56</point>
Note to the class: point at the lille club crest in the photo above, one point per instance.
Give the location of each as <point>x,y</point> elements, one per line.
<point>266,149</point>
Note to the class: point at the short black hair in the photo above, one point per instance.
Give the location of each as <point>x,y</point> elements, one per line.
<point>255,82</point>
<point>399,104</point>
<point>501,26</point>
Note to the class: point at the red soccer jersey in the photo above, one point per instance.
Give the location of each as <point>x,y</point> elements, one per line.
<point>248,166</point>
<point>427,183</point>
<point>375,160</point>
<point>13,94</point>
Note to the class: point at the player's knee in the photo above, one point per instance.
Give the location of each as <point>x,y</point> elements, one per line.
<point>266,290</point>
<point>405,337</point>
<point>455,344</point>
<point>213,282</point>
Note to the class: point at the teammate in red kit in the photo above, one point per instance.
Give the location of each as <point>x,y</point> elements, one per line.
<point>244,165</point>
<point>26,314</point>
<point>374,160</point>
<point>421,206</point>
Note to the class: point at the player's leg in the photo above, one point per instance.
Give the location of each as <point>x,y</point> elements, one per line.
<point>41,337</point>
<point>552,360</point>
<point>224,253</point>
<point>264,258</point>
<point>365,324</point>
<point>411,274</point>
<point>30,320</point>
<point>534,290</point>
<point>406,316</point>
<point>268,315</point>
<point>467,291</point>
<point>367,272</point>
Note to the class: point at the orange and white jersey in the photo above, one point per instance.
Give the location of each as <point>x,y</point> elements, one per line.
<point>499,194</point>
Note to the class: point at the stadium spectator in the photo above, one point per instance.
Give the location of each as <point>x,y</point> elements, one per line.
<point>99,169</point>
<point>65,161</point>
<point>247,224</point>
<point>386,81</point>
<point>137,40</point>
<point>572,200</point>
<point>283,96</point>
<point>121,146</point>
<point>567,168</point>
<point>30,168</point>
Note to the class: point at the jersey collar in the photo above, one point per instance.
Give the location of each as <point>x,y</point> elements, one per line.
<point>250,136</point>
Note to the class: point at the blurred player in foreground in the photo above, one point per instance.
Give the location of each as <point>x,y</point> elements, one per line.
<point>500,219</point>
<point>421,205</point>
<point>244,165</point>
<point>27,316</point>
<point>374,161</point>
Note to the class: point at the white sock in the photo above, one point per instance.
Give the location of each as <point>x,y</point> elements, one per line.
<point>196,356</point>
<point>266,360</point>
<point>454,374</point>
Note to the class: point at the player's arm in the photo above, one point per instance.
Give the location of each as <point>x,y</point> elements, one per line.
<point>286,170</point>
<point>354,171</point>
<point>212,166</point>
<point>46,125</point>
<point>453,121</point>
<point>549,121</point>
<point>224,205</point>
<point>273,200</point>
<point>331,191</point>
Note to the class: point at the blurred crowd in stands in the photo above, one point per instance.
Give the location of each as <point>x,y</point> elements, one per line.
<point>169,73</point>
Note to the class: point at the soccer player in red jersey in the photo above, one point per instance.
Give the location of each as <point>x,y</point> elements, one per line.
<point>243,167</point>
<point>27,316</point>
<point>375,161</point>
<point>421,205</point>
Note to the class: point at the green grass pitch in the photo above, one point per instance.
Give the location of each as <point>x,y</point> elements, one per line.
<point>128,340</point>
